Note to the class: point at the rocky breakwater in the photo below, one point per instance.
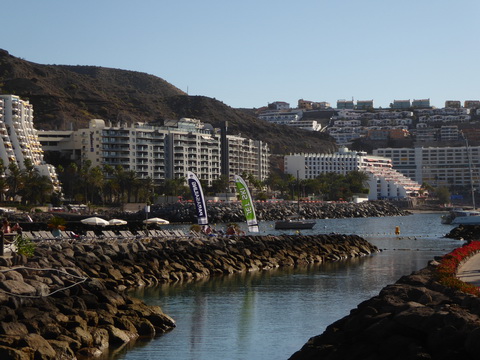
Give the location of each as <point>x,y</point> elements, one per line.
<point>415,318</point>
<point>69,300</point>
<point>465,232</point>
<point>270,211</point>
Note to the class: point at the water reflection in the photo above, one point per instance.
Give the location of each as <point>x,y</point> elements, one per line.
<point>270,315</point>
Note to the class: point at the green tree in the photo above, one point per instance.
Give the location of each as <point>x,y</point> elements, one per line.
<point>358,181</point>
<point>3,181</point>
<point>36,189</point>
<point>443,194</point>
<point>14,180</point>
<point>219,185</point>
<point>95,181</point>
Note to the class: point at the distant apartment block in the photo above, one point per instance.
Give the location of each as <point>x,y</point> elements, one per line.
<point>423,133</point>
<point>421,103</point>
<point>453,104</point>
<point>471,104</point>
<point>19,138</point>
<point>345,104</point>
<point>279,105</point>
<point>161,152</point>
<point>438,166</point>
<point>384,182</point>
<point>280,117</point>
<point>313,105</point>
<point>290,118</point>
<point>401,104</point>
<point>449,133</point>
<point>385,134</point>
<point>444,115</point>
<point>364,104</point>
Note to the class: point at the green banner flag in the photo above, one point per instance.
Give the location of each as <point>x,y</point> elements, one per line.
<point>247,204</point>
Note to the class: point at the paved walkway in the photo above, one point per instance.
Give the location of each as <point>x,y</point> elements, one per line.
<point>469,271</point>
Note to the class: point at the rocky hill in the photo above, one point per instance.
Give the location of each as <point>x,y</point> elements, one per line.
<point>67,97</point>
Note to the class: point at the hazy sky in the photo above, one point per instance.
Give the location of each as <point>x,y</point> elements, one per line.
<point>249,53</point>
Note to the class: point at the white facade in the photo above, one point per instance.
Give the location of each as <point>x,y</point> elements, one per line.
<point>279,105</point>
<point>280,118</point>
<point>248,155</point>
<point>160,152</point>
<point>438,166</point>
<point>291,118</point>
<point>384,182</point>
<point>19,140</point>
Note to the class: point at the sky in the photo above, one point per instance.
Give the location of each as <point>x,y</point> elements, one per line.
<point>253,52</point>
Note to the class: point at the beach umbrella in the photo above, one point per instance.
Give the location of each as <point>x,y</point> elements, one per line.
<point>95,221</point>
<point>156,220</point>
<point>117,222</point>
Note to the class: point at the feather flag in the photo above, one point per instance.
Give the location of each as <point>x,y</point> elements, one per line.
<point>198,199</point>
<point>247,204</point>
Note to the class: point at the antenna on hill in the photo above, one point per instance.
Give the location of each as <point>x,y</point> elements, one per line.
<point>187,90</point>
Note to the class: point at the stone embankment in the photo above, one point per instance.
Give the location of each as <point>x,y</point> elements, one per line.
<point>69,300</point>
<point>270,211</point>
<point>415,318</point>
<point>465,232</point>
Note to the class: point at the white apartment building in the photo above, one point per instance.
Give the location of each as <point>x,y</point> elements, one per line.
<point>291,118</point>
<point>279,105</point>
<point>279,117</point>
<point>248,155</point>
<point>160,152</point>
<point>384,182</point>
<point>438,166</point>
<point>19,139</point>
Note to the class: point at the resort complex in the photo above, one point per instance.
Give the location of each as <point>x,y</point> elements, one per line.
<point>384,182</point>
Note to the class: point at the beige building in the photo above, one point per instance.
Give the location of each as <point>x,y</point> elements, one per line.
<point>160,152</point>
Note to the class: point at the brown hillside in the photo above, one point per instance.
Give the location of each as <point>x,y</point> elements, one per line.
<point>67,97</point>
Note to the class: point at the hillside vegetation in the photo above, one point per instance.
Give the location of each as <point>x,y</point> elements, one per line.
<point>67,97</point>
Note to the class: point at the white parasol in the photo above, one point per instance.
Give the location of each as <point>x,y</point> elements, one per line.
<point>95,221</point>
<point>117,222</point>
<point>156,220</point>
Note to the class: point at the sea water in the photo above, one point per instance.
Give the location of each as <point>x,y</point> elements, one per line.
<point>271,314</point>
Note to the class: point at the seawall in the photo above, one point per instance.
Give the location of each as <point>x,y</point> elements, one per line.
<point>69,300</point>
<point>415,318</point>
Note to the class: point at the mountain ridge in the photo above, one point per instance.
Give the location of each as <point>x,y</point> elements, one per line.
<point>69,96</point>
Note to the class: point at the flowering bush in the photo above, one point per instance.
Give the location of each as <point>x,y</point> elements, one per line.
<point>447,270</point>
<point>57,223</point>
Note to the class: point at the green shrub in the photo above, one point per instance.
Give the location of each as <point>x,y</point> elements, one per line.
<point>25,246</point>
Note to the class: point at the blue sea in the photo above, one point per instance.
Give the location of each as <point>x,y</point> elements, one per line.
<point>270,315</point>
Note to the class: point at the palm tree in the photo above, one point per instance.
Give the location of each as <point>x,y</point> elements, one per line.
<point>3,181</point>
<point>36,189</point>
<point>147,190</point>
<point>131,183</point>
<point>358,181</point>
<point>95,180</point>
<point>14,180</point>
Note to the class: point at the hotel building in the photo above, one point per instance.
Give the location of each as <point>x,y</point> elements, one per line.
<point>161,152</point>
<point>437,166</point>
<point>19,139</point>
<point>384,182</point>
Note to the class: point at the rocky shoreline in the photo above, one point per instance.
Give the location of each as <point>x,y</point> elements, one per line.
<point>270,211</point>
<point>465,232</point>
<point>415,318</point>
<point>69,300</point>
<point>220,212</point>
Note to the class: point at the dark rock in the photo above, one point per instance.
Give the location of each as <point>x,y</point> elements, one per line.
<point>14,354</point>
<point>13,328</point>
<point>41,347</point>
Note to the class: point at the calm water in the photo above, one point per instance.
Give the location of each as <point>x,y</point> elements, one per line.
<point>270,315</point>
